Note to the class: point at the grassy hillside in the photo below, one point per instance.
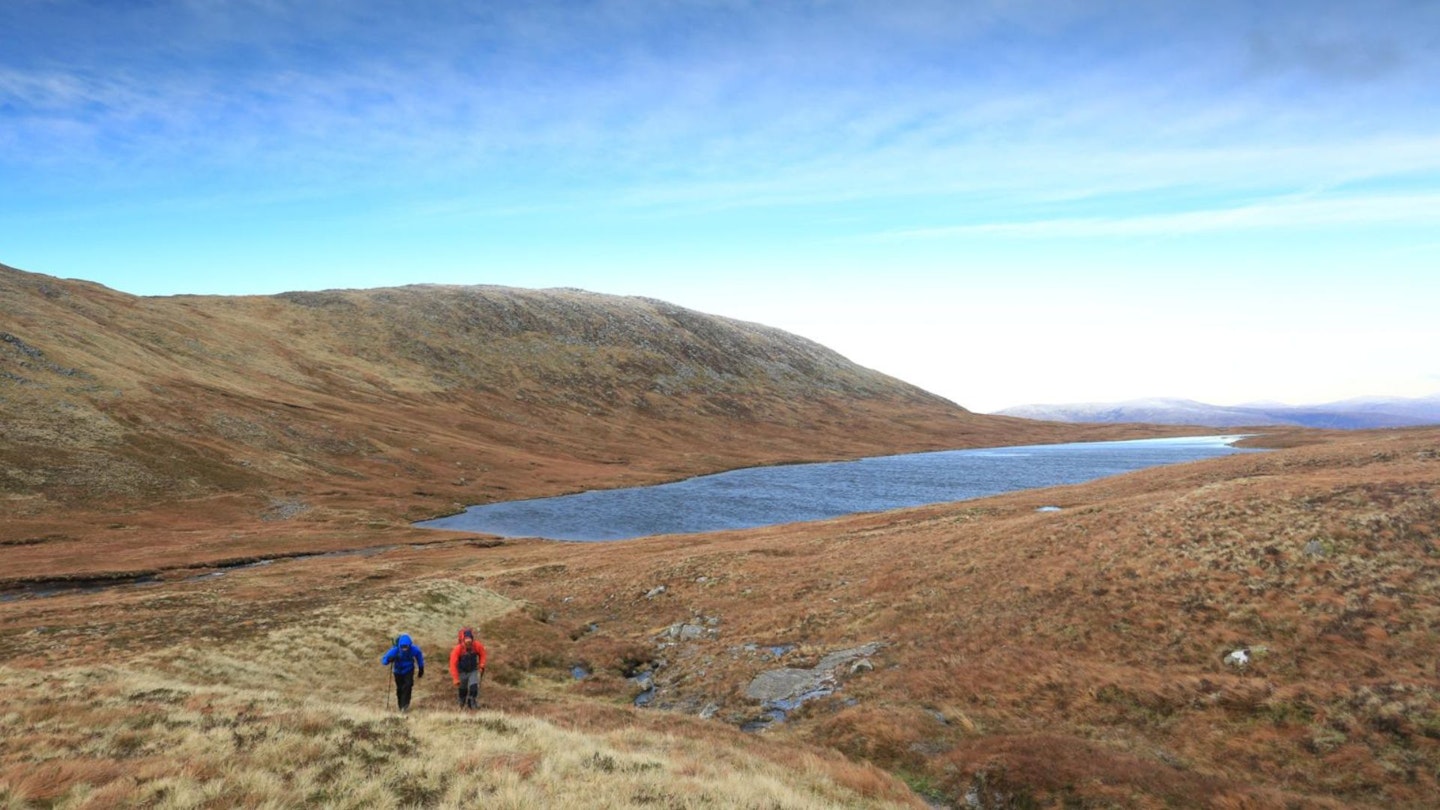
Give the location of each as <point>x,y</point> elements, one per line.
<point>1077,657</point>
<point>981,654</point>
<point>238,711</point>
<point>1019,658</point>
<point>131,429</point>
<point>112,398</point>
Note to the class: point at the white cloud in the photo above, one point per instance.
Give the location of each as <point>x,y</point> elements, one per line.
<point>1412,209</point>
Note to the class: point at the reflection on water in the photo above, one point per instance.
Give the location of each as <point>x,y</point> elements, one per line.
<point>763,496</point>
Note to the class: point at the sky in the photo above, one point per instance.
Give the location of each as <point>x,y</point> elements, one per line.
<point>1002,201</point>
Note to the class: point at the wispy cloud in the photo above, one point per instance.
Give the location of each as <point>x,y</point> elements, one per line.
<point>736,80</point>
<point>1336,59</point>
<point>320,137</point>
<point>1404,210</point>
<point>718,104</point>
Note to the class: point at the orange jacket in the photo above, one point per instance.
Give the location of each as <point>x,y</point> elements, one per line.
<point>459,651</point>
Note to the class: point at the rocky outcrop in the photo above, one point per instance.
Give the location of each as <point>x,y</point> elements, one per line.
<point>789,682</point>
<point>781,691</point>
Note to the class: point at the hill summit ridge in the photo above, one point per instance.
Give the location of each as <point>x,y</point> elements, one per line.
<point>111,399</point>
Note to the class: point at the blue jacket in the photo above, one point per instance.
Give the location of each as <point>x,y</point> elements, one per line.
<point>404,657</point>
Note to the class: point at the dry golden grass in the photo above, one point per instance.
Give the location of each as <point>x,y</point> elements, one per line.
<point>1100,630</point>
<point>299,715</point>
<point>1043,659</point>
<point>1028,659</point>
<point>149,433</point>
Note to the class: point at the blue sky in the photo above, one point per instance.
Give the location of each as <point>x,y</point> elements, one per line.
<point>1002,201</point>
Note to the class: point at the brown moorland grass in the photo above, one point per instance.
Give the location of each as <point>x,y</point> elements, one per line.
<point>139,434</point>
<point>234,710</point>
<point>1068,658</point>
<point>1105,624</point>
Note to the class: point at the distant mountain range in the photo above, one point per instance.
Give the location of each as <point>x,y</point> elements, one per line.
<point>1350,414</point>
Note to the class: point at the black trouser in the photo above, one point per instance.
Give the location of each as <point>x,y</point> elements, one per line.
<point>468,690</point>
<point>404,682</point>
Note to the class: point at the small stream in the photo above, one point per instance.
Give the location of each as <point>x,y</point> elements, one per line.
<point>64,586</point>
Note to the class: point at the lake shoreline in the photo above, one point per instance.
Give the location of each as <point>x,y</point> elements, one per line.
<point>747,497</point>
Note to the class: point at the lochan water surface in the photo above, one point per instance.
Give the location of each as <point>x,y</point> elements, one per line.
<point>764,496</point>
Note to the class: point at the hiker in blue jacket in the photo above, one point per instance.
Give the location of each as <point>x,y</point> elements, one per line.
<point>405,660</point>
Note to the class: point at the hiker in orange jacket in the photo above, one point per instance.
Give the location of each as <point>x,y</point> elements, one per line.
<point>467,667</point>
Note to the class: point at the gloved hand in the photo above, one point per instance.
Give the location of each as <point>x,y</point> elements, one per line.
<point>422,672</point>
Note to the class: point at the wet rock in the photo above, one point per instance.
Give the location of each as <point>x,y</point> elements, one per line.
<point>645,681</point>
<point>771,650</point>
<point>687,631</point>
<point>758,724</point>
<point>838,659</point>
<point>779,684</point>
<point>781,691</point>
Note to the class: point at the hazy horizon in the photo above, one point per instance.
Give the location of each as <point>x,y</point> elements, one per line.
<point>1004,203</point>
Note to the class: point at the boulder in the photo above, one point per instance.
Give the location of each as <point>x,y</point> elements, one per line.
<point>789,683</point>
<point>783,684</point>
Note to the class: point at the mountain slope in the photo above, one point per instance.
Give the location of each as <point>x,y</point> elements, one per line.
<point>111,395</point>
<point>1013,657</point>
<point>319,411</point>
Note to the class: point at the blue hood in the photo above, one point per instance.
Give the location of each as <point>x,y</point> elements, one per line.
<point>404,656</point>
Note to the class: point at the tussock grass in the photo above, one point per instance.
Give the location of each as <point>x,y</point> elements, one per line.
<point>297,716</point>
<point>1071,658</point>
<point>1078,656</point>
